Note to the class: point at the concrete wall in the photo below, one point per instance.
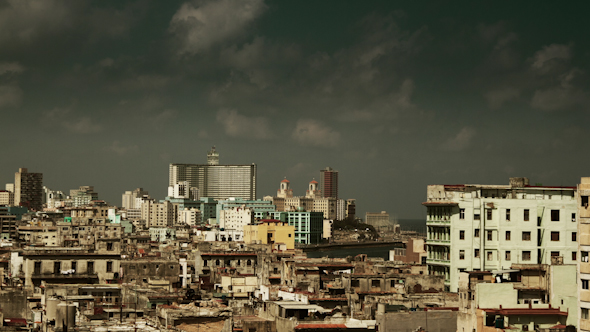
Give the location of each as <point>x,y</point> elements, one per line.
<point>564,291</point>
<point>431,321</point>
<point>13,304</point>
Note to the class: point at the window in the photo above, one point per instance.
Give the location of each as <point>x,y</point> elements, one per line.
<point>490,255</point>
<point>526,215</point>
<point>461,235</point>
<point>476,217</point>
<point>526,236</point>
<point>90,268</point>
<point>584,201</point>
<point>74,265</point>
<point>490,236</point>
<point>554,236</point>
<point>476,253</point>
<point>476,232</point>
<point>555,254</point>
<point>584,256</point>
<point>56,267</point>
<point>574,255</point>
<point>37,269</point>
<point>507,235</point>
<point>461,254</point>
<point>574,236</point>
<point>355,283</point>
<point>554,215</point>
<point>585,313</point>
<point>507,255</point>
<point>584,284</point>
<point>507,214</point>
<point>526,255</point>
<point>109,266</point>
<point>109,246</point>
<point>461,213</point>
<point>489,214</point>
<point>375,283</point>
<point>573,217</point>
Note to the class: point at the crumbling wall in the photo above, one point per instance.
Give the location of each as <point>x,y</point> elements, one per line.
<point>13,303</point>
<point>431,321</point>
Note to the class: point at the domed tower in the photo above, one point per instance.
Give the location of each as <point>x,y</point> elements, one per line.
<point>313,191</point>
<point>285,190</point>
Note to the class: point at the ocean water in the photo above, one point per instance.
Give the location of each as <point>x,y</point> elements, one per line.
<point>417,225</point>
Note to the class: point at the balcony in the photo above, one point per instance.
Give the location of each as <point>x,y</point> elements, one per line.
<point>64,277</point>
<point>523,286</point>
<point>438,242</point>
<point>435,220</point>
<point>438,261</point>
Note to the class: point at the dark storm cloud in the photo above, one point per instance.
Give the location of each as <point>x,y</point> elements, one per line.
<point>393,96</point>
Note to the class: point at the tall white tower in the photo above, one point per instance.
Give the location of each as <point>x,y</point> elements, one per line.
<point>285,190</point>
<point>313,191</point>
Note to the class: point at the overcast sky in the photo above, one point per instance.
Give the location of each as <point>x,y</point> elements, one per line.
<point>393,95</point>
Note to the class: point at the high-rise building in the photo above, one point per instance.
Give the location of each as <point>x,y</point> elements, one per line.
<point>83,195</point>
<point>28,189</point>
<point>132,199</point>
<point>217,181</point>
<point>584,253</point>
<point>492,227</point>
<point>6,198</point>
<point>351,208</point>
<point>309,226</point>
<point>163,214</point>
<point>329,182</point>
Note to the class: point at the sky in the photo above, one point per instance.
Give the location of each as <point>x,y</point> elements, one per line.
<point>395,95</point>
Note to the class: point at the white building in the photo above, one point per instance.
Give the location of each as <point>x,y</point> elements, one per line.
<point>491,227</point>
<point>159,214</point>
<point>190,216</point>
<point>183,190</point>
<point>234,218</point>
<point>216,181</point>
<point>133,199</point>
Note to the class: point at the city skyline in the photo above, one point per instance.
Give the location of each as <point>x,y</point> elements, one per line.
<point>393,96</point>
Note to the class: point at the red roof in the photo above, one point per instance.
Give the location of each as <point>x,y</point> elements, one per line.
<point>313,181</point>
<point>320,326</point>
<point>285,180</point>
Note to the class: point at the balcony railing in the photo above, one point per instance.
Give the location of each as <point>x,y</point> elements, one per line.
<point>51,275</point>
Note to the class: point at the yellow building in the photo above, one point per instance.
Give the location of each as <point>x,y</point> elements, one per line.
<point>270,231</point>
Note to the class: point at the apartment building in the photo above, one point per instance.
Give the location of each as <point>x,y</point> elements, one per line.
<point>28,189</point>
<point>214,180</point>
<point>584,250</point>
<point>490,227</point>
<point>309,226</point>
